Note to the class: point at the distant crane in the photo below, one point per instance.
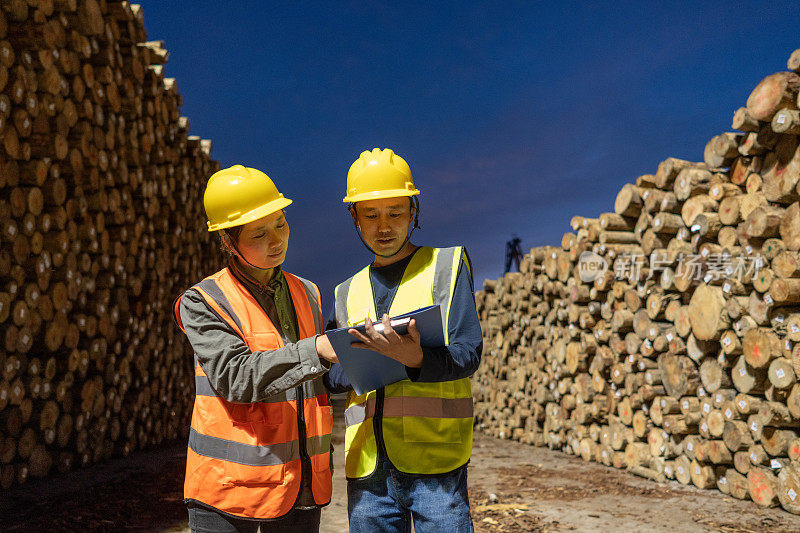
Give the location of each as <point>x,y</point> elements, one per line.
<point>513,253</point>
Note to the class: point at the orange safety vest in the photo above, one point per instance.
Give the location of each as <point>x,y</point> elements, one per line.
<point>244,458</point>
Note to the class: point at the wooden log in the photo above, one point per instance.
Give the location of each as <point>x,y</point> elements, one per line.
<point>776,442</point>
<point>714,376</point>
<point>788,488</point>
<point>715,422</point>
<point>776,91</point>
<point>703,476</point>
<point>793,63</point>
<point>793,401</point>
<point>760,346</point>
<point>790,227</point>
<point>786,121</point>
<point>683,472</point>
<point>616,222</point>
<point>786,265</point>
<point>763,222</point>
<point>692,182</point>
<point>738,484</point>
<point>763,487</point>
<point>669,169</point>
<point>742,120</point>
<point>729,212</point>
<point>628,202</point>
<point>781,373</point>
<point>679,374</point>
<point>618,237</point>
<point>721,149</point>
<point>695,206</point>
<point>780,171</point>
<point>745,378</point>
<point>736,436</point>
<point>707,312</point>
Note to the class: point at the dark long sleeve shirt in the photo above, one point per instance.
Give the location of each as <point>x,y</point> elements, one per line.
<point>459,359</point>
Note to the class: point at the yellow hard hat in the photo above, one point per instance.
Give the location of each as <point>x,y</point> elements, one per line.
<point>379,174</point>
<point>238,195</point>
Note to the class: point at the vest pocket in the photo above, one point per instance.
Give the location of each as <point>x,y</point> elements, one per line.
<point>423,417</point>
<point>263,341</point>
<point>320,425</point>
<point>249,415</point>
<point>322,462</point>
<point>252,476</point>
<point>431,430</point>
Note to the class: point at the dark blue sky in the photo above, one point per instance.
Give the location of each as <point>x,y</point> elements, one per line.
<point>514,116</point>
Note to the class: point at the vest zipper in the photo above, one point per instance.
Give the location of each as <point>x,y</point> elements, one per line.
<point>301,421</point>
<point>377,424</point>
<point>377,419</point>
<point>305,460</point>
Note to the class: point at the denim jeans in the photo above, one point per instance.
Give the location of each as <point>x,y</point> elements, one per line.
<point>203,520</point>
<point>388,501</point>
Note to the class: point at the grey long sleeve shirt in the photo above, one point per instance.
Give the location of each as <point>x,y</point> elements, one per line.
<point>237,373</point>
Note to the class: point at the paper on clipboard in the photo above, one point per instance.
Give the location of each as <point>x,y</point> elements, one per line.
<point>368,370</point>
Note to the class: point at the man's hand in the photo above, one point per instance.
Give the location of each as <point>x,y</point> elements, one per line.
<point>402,348</point>
<point>324,349</point>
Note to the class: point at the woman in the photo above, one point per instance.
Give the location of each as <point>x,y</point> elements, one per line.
<point>259,444</point>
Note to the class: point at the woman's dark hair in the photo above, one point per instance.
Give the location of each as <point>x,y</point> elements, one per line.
<point>233,236</point>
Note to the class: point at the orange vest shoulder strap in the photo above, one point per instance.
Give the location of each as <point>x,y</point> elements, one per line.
<point>213,289</point>
<point>306,300</point>
<point>176,312</point>
<point>176,304</point>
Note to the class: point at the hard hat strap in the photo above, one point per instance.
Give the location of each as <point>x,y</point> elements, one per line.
<point>227,240</point>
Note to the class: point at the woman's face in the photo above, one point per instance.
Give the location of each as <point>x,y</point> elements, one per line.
<point>263,242</point>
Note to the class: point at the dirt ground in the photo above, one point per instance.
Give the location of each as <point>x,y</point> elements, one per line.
<point>512,486</point>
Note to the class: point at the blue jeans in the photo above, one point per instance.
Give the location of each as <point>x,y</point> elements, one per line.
<point>388,501</point>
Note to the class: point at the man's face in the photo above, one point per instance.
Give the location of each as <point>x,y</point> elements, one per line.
<point>384,223</point>
<point>263,242</point>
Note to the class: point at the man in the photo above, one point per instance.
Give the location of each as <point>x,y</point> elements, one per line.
<point>407,444</point>
<point>513,253</point>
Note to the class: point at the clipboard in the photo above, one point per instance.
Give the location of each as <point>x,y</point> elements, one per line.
<point>368,370</point>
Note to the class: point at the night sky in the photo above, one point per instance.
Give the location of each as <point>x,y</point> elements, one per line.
<point>514,116</point>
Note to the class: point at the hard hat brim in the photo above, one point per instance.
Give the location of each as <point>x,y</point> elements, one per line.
<point>377,195</point>
<point>250,216</point>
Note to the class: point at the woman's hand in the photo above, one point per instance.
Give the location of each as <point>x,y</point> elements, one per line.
<point>324,349</point>
<point>403,348</point>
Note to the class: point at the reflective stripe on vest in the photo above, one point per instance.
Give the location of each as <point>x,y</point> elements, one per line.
<point>247,454</point>
<point>203,388</point>
<point>244,459</point>
<point>410,406</point>
<point>427,427</point>
<point>359,412</point>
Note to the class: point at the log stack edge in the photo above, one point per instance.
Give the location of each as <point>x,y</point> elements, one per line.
<point>101,225</point>
<point>680,360</point>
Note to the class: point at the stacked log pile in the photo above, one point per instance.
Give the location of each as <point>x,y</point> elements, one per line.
<point>679,360</point>
<point>101,226</point>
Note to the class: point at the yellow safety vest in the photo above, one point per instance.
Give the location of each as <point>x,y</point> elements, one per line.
<point>426,427</point>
